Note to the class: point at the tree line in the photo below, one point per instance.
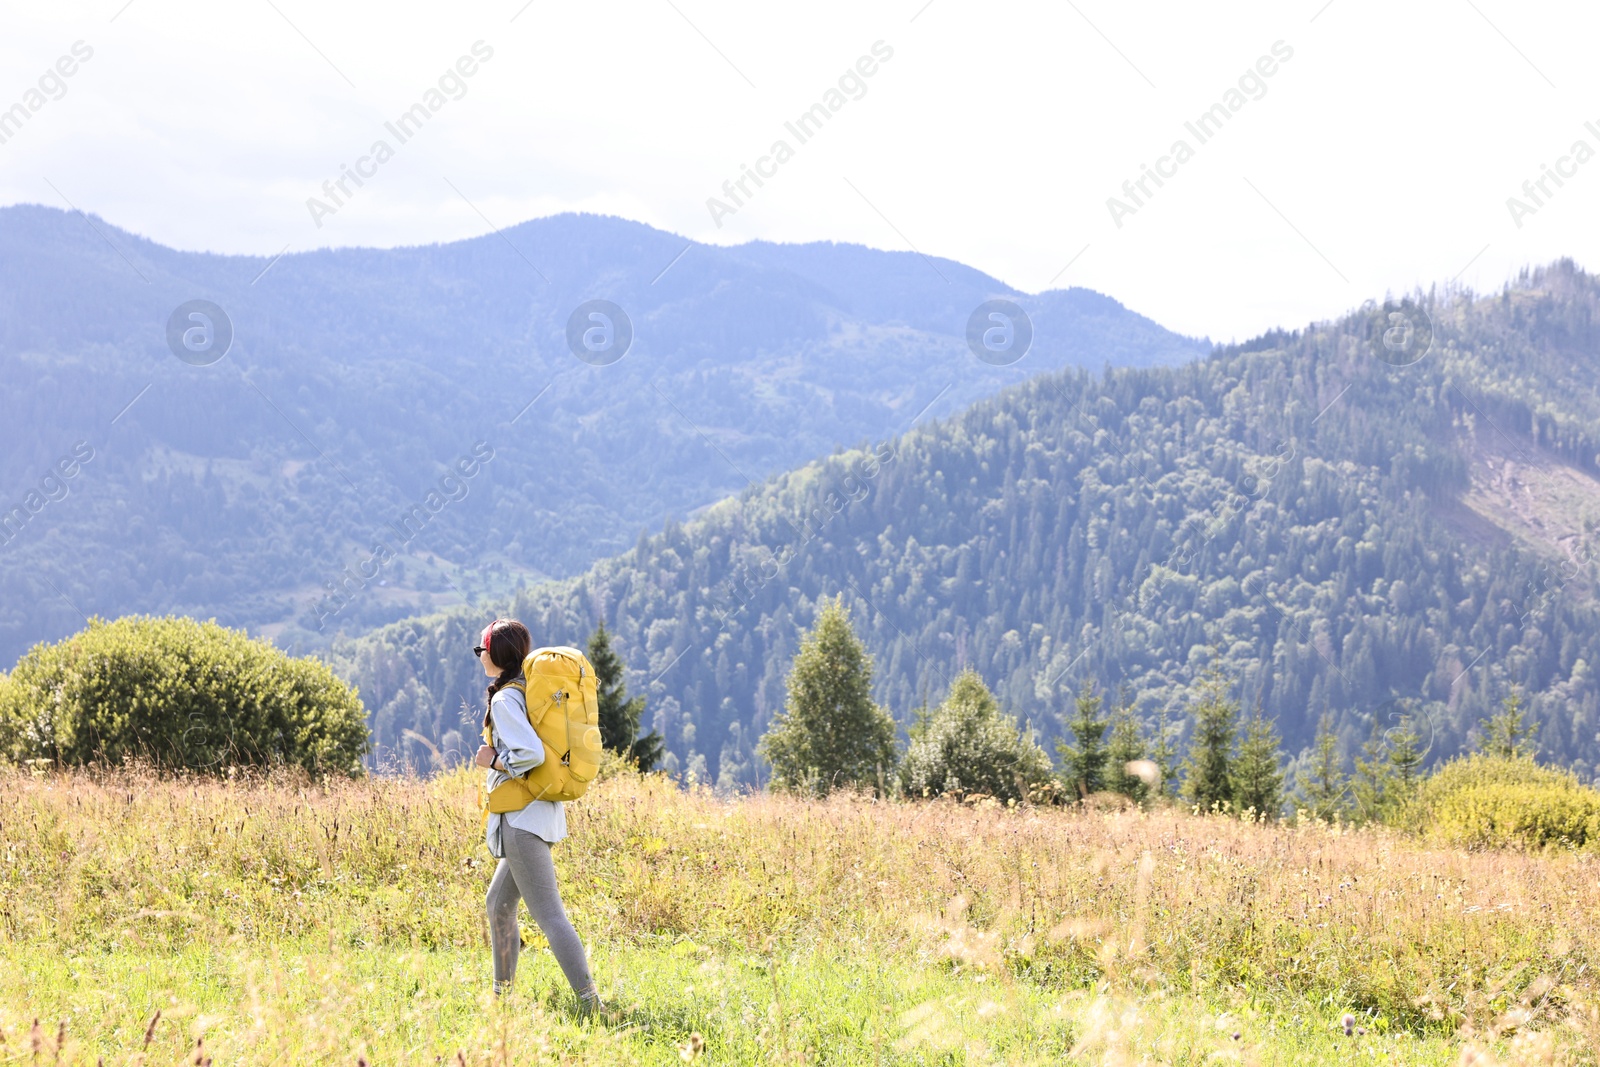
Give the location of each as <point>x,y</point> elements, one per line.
<point>832,735</point>
<point>191,697</point>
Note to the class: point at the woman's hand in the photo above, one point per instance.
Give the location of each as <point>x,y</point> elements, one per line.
<point>486,756</point>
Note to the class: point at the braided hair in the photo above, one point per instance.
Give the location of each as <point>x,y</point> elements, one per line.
<point>508,642</point>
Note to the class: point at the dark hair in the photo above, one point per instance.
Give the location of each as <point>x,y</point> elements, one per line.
<point>509,642</point>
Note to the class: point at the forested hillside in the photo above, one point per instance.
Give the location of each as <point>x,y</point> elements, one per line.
<point>1338,532</point>
<point>359,381</point>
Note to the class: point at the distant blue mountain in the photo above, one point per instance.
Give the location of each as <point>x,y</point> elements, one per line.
<point>358,380</point>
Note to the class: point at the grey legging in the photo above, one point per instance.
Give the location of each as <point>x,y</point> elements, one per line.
<point>528,872</point>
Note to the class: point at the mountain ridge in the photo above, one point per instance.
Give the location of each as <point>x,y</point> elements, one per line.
<point>248,488</point>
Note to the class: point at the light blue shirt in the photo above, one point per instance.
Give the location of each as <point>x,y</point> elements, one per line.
<point>520,751</point>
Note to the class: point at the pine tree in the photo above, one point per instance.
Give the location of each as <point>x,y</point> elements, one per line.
<point>1208,772</point>
<point>1165,754</point>
<point>1406,759</point>
<point>921,718</point>
<point>1084,764</point>
<point>1373,787</point>
<point>1258,772</point>
<point>1326,786</point>
<point>1127,745</point>
<point>1504,733</point>
<point>830,734</point>
<point>619,716</point>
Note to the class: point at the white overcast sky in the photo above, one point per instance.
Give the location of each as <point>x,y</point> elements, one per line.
<point>1380,157</point>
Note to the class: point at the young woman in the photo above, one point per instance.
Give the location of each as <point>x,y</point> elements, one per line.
<point>521,840</point>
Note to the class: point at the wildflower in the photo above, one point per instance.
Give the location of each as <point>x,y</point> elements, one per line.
<point>1349,1024</point>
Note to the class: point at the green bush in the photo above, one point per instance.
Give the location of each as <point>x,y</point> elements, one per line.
<point>969,746</point>
<point>180,694</point>
<point>10,722</point>
<point>1495,801</point>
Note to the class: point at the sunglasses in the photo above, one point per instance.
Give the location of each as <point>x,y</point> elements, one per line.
<point>478,650</point>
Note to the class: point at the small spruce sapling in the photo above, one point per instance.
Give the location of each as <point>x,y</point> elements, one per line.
<point>1208,772</point>
<point>1084,764</point>
<point>1258,772</point>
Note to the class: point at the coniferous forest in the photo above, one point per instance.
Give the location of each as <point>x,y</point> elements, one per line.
<point>1345,537</point>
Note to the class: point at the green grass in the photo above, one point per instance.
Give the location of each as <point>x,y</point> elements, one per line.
<point>306,1004</point>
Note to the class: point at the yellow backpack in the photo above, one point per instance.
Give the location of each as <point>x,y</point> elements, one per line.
<point>563,701</point>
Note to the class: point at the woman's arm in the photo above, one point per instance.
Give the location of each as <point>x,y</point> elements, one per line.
<point>519,750</point>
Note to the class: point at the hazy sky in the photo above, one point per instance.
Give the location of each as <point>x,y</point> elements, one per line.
<point>1377,156</point>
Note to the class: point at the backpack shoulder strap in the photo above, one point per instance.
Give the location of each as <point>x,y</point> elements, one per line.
<point>520,686</point>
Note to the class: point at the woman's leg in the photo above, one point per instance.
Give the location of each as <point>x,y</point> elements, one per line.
<point>505,938</point>
<point>535,872</point>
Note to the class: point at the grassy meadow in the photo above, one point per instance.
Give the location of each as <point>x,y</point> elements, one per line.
<point>274,920</point>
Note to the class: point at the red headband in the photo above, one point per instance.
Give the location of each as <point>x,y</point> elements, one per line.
<point>488,631</point>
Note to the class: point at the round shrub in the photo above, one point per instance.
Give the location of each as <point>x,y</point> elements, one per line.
<point>1485,801</point>
<point>180,694</point>
<point>970,746</point>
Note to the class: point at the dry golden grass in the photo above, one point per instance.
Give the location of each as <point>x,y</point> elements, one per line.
<point>1121,907</point>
